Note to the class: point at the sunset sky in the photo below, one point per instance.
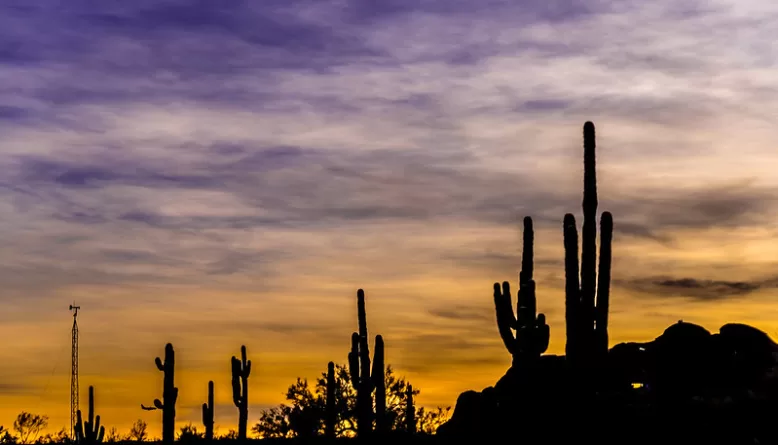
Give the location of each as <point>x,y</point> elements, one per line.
<point>219,173</point>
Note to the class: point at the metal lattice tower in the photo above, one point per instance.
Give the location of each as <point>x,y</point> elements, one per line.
<point>74,371</point>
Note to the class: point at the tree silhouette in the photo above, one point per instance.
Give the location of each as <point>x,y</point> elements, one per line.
<point>113,435</point>
<point>139,432</point>
<point>6,436</point>
<point>428,421</point>
<point>305,414</point>
<point>60,437</point>
<point>29,426</point>
<point>229,435</point>
<point>189,433</point>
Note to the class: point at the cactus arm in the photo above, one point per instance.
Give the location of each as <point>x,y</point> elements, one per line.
<point>379,382</point>
<point>572,289</point>
<point>543,334</point>
<point>158,404</point>
<point>353,359</point>
<point>160,366</point>
<point>101,434</point>
<point>96,428</point>
<point>604,279</point>
<point>236,381</point>
<point>91,413</point>
<point>378,362</point>
<point>505,318</point>
<point>78,428</point>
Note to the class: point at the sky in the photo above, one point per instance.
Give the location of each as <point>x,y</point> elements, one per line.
<point>215,174</point>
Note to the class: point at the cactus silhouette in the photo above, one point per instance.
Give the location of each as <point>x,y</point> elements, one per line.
<point>586,303</point>
<point>241,369</point>
<point>208,413</point>
<point>169,395</point>
<point>410,411</point>
<point>329,411</point>
<point>89,432</point>
<point>532,332</point>
<point>359,370</point>
<point>379,383</point>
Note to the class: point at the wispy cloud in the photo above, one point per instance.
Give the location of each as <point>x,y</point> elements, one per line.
<point>700,290</point>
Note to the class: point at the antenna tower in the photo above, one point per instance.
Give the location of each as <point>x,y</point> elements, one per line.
<point>74,371</point>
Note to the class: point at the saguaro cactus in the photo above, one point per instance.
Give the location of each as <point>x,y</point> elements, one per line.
<point>532,332</point>
<point>169,395</point>
<point>208,413</point>
<point>89,432</point>
<point>241,369</point>
<point>330,415</point>
<point>586,303</point>
<point>410,411</point>
<point>359,370</point>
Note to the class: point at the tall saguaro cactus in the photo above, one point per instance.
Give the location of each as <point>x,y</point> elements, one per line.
<point>169,395</point>
<point>587,301</point>
<point>89,432</point>
<point>532,332</point>
<point>330,415</point>
<point>241,369</point>
<point>208,413</point>
<point>359,370</point>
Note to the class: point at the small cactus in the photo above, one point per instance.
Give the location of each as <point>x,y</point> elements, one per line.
<point>169,395</point>
<point>89,432</point>
<point>532,332</point>
<point>241,369</point>
<point>359,370</point>
<point>208,413</point>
